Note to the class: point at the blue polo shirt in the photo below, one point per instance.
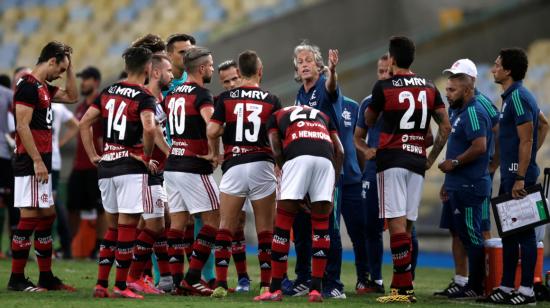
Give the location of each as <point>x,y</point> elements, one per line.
<point>348,120</point>
<point>518,107</point>
<point>318,97</point>
<point>492,112</point>
<point>469,123</point>
<point>373,135</point>
<point>173,84</point>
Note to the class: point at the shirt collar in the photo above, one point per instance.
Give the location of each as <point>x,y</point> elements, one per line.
<point>513,86</point>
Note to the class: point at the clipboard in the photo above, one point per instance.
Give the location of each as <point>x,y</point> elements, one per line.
<point>513,216</point>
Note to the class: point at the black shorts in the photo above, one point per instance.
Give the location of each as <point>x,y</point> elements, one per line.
<point>83,191</point>
<point>6,176</point>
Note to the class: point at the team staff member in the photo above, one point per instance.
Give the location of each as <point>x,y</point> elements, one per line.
<point>32,164</point>
<point>401,156</point>
<point>467,181</point>
<point>518,142</point>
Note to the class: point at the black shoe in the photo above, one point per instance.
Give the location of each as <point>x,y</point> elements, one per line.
<point>55,284</point>
<point>497,296</point>
<point>542,293</point>
<point>451,289</point>
<point>369,286</point>
<point>23,285</point>
<point>465,293</point>
<point>517,298</point>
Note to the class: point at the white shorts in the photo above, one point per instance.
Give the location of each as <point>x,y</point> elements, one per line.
<point>307,174</point>
<point>127,194</point>
<point>30,193</point>
<point>399,193</point>
<point>247,206</point>
<point>255,180</point>
<point>155,204</point>
<point>190,192</point>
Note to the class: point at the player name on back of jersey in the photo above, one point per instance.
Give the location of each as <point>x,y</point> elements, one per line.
<point>113,152</point>
<point>311,130</point>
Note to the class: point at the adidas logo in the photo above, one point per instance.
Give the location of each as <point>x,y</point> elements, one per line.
<point>104,262</point>
<point>456,212</point>
<point>319,253</point>
<point>222,263</point>
<point>38,254</point>
<point>283,258</point>
<point>117,264</point>
<point>265,266</point>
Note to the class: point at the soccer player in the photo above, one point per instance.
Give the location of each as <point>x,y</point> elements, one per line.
<point>82,188</point>
<point>518,143</point>
<point>152,235</point>
<point>406,103</point>
<point>188,175</point>
<point>306,147</point>
<point>459,281</point>
<point>32,164</point>
<point>126,109</point>
<point>176,45</point>
<point>467,181</point>
<point>319,90</point>
<point>373,224</point>
<point>248,168</point>
<point>230,79</point>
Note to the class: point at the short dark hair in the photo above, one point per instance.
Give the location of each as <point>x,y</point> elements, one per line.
<point>18,69</point>
<point>5,80</point>
<point>150,41</point>
<point>178,37</point>
<point>54,49</point>
<point>157,59</point>
<point>226,65</point>
<point>402,50</point>
<point>193,56</point>
<point>248,63</point>
<point>136,58</point>
<point>514,60</point>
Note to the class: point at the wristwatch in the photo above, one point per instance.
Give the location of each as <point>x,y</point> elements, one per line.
<point>520,178</point>
<point>455,162</point>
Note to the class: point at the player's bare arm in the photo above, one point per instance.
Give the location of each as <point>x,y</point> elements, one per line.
<point>364,152</point>
<point>85,125</point>
<point>23,114</point>
<point>542,130</point>
<point>332,80</point>
<point>149,131</point>
<point>429,136</point>
<point>338,153</point>
<point>444,129</point>
<point>277,148</point>
<point>525,134</point>
<point>160,141</point>
<point>476,149</point>
<point>213,131</point>
<point>206,114</point>
<point>69,95</point>
<point>70,132</point>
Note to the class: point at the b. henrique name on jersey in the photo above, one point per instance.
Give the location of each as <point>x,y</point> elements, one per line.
<point>187,128</point>
<point>121,105</point>
<point>304,131</point>
<point>245,112</point>
<point>407,103</point>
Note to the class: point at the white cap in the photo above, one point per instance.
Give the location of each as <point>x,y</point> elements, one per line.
<point>463,66</point>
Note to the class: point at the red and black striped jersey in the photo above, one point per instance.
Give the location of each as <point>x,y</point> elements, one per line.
<point>32,93</point>
<point>121,105</point>
<point>187,128</point>
<point>407,103</point>
<point>245,112</point>
<point>304,131</point>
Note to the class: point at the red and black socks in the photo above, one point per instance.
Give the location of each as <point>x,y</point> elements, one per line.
<point>264,257</point>
<point>202,248</point>
<point>222,253</point>
<point>160,247</point>
<point>238,250</point>
<point>143,249</point>
<point>400,245</point>
<point>123,254</point>
<point>43,248</point>
<point>280,245</point>
<point>106,260</point>
<point>21,245</point>
<point>320,247</point>
<point>175,254</point>
<point>188,239</point>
